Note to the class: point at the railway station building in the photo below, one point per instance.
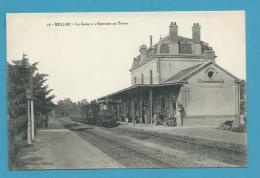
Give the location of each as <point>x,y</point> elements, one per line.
<point>179,72</point>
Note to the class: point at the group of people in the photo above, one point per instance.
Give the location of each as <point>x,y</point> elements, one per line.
<point>159,119</point>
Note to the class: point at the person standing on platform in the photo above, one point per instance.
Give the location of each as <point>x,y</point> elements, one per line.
<point>154,119</point>
<point>46,120</point>
<point>171,120</point>
<point>126,119</point>
<point>146,118</point>
<point>182,113</point>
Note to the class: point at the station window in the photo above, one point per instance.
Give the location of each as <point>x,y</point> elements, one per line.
<point>135,81</point>
<point>142,78</point>
<point>151,77</point>
<point>210,74</point>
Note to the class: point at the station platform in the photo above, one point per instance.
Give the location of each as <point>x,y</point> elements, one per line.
<point>59,148</point>
<point>200,134</point>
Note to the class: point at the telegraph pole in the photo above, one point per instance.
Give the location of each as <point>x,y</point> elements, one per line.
<point>29,123</point>
<point>30,105</point>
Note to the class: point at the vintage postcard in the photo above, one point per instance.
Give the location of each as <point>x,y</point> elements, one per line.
<point>126,90</point>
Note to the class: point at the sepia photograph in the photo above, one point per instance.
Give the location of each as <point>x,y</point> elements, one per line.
<point>92,90</point>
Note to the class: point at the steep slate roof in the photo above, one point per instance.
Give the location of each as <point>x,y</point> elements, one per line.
<point>191,71</point>
<point>180,38</point>
<point>179,75</point>
<point>165,40</point>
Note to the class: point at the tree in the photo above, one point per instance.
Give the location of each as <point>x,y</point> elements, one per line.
<point>43,98</point>
<point>68,108</point>
<point>18,82</point>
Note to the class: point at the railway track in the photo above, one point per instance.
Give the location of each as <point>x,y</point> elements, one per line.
<point>129,155</point>
<point>224,154</point>
<point>157,159</point>
<point>125,147</point>
<point>105,138</point>
<point>186,139</point>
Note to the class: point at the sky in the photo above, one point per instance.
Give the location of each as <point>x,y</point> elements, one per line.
<point>87,61</point>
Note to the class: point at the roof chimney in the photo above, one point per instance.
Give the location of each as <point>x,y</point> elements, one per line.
<point>143,50</point>
<point>210,55</point>
<point>196,33</point>
<point>173,32</point>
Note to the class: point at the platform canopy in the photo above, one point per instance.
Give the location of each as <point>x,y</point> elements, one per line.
<point>141,88</point>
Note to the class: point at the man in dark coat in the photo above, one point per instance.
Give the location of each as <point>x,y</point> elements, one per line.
<point>45,121</point>
<point>182,113</point>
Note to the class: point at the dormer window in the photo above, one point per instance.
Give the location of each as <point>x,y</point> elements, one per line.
<point>164,48</point>
<point>185,47</point>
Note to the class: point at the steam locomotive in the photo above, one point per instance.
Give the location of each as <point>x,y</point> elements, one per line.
<point>101,113</point>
